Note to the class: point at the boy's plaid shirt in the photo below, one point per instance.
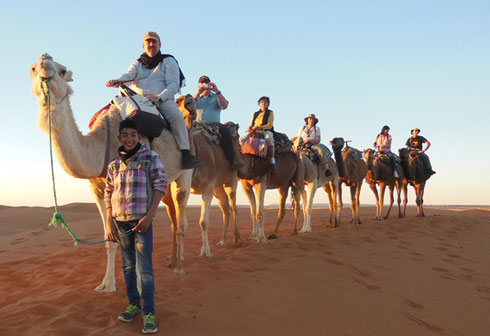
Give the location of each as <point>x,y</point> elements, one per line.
<point>130,186</point>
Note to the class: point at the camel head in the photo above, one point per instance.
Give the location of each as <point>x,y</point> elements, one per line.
<point>369,157</point>
<point>187,105</point>
<point>404,153</point>
<point>337,144</point>
<point>233,129</point>
<point>47,72</point>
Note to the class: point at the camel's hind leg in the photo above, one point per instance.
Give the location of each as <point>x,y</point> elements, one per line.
<point>108,284</point>
<point>260,195</point>
<point>172,214</point>
<point>283,195</point>
<point>180,195</point>
<point>376,195</point>
<point>392,200</point>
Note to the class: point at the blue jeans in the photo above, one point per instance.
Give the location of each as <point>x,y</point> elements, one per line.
<point>391,155</point>
<point>138,246</point>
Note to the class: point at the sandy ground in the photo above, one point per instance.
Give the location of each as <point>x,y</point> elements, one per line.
<point>412,276</point>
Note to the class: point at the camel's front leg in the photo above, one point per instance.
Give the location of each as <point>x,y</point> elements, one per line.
<point>224,205</point>
<point>340,203</point>
<point>358,202</point>
<point>249,192</point>
<point>353,204</point>
<point>392,200</point>
<point>283,195</point>
<point>231,192</point>
<point>260,198</point>
<point>207,197</point>
<point>375,192</point>
<point>382,189</point>
<point>309,205</point>
<point>180,195</point>
<point>108,284</point>
<point>419,189</point>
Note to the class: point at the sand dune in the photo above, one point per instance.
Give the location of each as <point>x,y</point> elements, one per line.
<point>412,276</point>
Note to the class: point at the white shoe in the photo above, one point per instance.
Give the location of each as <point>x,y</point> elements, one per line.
<point>396,173</point>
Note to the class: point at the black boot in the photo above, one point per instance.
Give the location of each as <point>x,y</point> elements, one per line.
<point>328,172</point>
<point>189,161</point>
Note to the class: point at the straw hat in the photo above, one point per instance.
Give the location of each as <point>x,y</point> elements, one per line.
<point>415,129</point>
<point>312,116</point>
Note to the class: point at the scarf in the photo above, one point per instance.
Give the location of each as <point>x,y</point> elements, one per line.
<point>150,62</point>
<point>125,155</point>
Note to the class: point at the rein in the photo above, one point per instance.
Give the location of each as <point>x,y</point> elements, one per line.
<point>57,217</point>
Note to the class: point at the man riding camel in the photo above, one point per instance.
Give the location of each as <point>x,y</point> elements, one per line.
<point>157,77</point>
<point>414,143</point>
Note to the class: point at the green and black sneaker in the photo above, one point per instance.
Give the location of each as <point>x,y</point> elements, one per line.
<point>130,313</point>
<point>149,326</point>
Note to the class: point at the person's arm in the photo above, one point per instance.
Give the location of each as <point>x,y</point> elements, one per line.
<point>159,185</point>
<point>426,147</point>
<point>128,76</point>
<point>172,78</point>
<point>111,229</point>
<point>316,139</point>
<point>223,103</point>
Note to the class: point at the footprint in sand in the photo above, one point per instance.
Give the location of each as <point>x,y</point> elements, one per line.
<point>365,284</point>
<point>412,304</point>
<point>429,326</point>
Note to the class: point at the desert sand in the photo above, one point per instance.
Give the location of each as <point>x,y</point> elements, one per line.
<point>411,276</point>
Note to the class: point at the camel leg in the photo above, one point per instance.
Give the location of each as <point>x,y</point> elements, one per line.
<point>172,215</point>
<point>224,205</point>
<point>375,192</point>
<point>419,190</point>
<point>207,197</point>
<point>249,192</point>
<point>382,190</point>
<point>392,200</point>
<point>180,195</point>
<point>231,192</point>
<point>399,199</point>
<point>358,202</point>
<point>260,195</point>
<point>340,203</point>
<point>305,201</point>
<point>328,190</point>
<point>309,205</point>
<point>297,209</point>
<point>108,284</point>
<point>353,204</point>
<point>405,198</point>
<point>283,195</point>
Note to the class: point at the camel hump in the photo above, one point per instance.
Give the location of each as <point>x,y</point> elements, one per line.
<point>353,152</point>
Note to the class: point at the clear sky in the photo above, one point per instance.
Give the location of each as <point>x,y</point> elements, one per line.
<point>357,65</point>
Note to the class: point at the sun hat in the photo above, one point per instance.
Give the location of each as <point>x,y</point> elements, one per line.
<point>312,116</point>
<point>415,129</point>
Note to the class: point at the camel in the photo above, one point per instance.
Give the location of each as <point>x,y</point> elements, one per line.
<point>255,175</point>
<point>380,172</point>
<point>315,178</point>
<point>214,176</point>
<point>87,156</point>
<point>352,170</point>
<point>415,174</point>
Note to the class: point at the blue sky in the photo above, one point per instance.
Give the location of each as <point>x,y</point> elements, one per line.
<point>357,65</point>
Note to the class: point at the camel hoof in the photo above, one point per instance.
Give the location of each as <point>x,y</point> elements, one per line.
<point>253,237</point>
<point>179,272</point>
<point>206,253</point>
<point>262,240</point>
<point>103,288</point>
<point>221,243</point>
<point>305,231</point>
<point>273,236</point>
<point>238,240</point>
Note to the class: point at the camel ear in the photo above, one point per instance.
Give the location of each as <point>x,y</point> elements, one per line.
<point>32,71</point>
<point>68,76</point>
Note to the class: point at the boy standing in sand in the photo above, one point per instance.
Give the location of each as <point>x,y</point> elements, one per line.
<point>135,184</point>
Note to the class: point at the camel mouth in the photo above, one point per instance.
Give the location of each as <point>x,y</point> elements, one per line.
<point>45,66</point>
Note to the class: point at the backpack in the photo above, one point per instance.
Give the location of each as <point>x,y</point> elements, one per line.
<point>181,74</point>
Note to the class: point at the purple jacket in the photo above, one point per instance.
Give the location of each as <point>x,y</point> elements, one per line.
<point>130,186</point>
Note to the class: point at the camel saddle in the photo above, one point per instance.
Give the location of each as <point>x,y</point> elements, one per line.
<point>282,144</point>
<point>210,132</point>
<point>383,157</point>
<point>353,152</point>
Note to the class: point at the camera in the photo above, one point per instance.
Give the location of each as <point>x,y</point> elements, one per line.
<point>207,85</point>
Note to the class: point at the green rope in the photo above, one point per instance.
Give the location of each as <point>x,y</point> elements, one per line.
<point>57,217</point>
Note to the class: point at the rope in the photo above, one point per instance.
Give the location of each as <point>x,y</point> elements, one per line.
<point>57,217</point>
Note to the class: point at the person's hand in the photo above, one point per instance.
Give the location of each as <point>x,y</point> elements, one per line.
<point>213,87</point>
<point>143,225</point>
<point>112,83</point>
<point>111,232</point>
<point>154,99</point>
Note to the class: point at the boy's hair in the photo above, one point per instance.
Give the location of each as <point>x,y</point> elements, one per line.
<point>264,98</point>
<point>127,123</point>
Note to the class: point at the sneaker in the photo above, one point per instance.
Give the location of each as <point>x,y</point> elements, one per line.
<point>396,173</point>
<point>149,326</point>
<point>328,172</point>
<point>129,314</point>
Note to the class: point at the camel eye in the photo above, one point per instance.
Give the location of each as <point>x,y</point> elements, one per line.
<point>63,73</point>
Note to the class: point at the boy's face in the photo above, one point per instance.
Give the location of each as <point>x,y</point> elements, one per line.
<point>129,138</point>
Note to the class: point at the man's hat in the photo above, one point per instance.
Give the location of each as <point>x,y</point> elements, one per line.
<point>151,35</point>
<point>415,129</point>
<point>312,116</point>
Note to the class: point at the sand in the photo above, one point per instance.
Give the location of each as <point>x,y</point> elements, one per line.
<point>412,276</point>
